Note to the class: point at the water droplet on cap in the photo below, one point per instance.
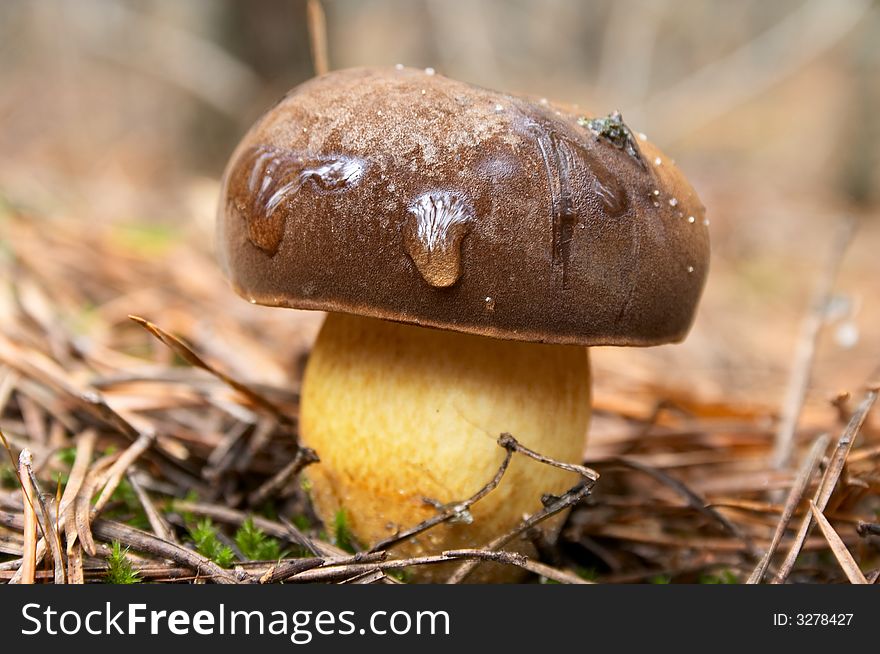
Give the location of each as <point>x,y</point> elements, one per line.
<point>691,219</point>
<point>265,179</point>
<point>673,202</point>
<point>429,71</point>
<point>499,108</point>
<point>490,304</point>
<point>398,66</point>
<point>690,269</point>
<point>658,161</point>
<point>437,224</point>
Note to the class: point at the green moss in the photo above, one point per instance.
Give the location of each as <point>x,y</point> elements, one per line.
<point>255,544</point>
<point>723,577</point>
<point>119,569</point>
<point>403,575</point>
<point>660,579</point>
<point>612,129</point>
<point>7,477</point>
<point>204,535</point>
<point>342,536</point>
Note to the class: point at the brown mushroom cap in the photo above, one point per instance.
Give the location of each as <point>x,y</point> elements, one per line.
<point>404,195</point>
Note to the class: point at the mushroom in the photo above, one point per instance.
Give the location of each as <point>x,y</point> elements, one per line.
<point>468,247</point>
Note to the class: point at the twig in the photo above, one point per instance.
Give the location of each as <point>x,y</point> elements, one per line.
<point>82,503</point>
<point>336,571</point>
<point>868,528</point>
<point>118,469</point>
<point>185,352</point>
<point>829,481</point>
<point>317,23</point>
<point>567,499</point>
<point>844,558</point>
<point>287,569</point>
<point>805,474</point>
<point>29,528</point>
<point>157,521</point>
<point>693,499</point>
<point>85,447</point>
<point>142,541</point>
<point>304,456</point>
<point>588,474</point>
<point>47,526</point>
<point>552,505</point>
<point>799,379</point>
<point>455,510</point>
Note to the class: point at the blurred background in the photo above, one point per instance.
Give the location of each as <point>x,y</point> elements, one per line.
<point>117,116</point>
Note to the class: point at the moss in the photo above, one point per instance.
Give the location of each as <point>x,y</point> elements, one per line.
<point>615,131</point>
<point>204,535</point>
<point>342,535</point>
<point>255,545</point>
<point>723,577</point>
<point>119,569</point>
<point>660,579</point>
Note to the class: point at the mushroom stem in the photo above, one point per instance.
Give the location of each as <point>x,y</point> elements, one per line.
<point>401,414</point>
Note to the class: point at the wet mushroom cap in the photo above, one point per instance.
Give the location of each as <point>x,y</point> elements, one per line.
<point>404,195</point>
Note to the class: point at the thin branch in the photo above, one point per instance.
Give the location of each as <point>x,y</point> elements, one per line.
<point>51,538</point>
<point>455,510</point>
<point>142,541</point>
<point>317,23</point>
<point>552,505</point>
<point>694,500</point>
<point>29,528</point>
<point>805,475</point>
<point>844,558</point>
<point>117,471</point>
<point>829,481</point>
<point>157,521</point>
<point>304,456</point>
<point>564,501</point>
<point>185,352</point>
